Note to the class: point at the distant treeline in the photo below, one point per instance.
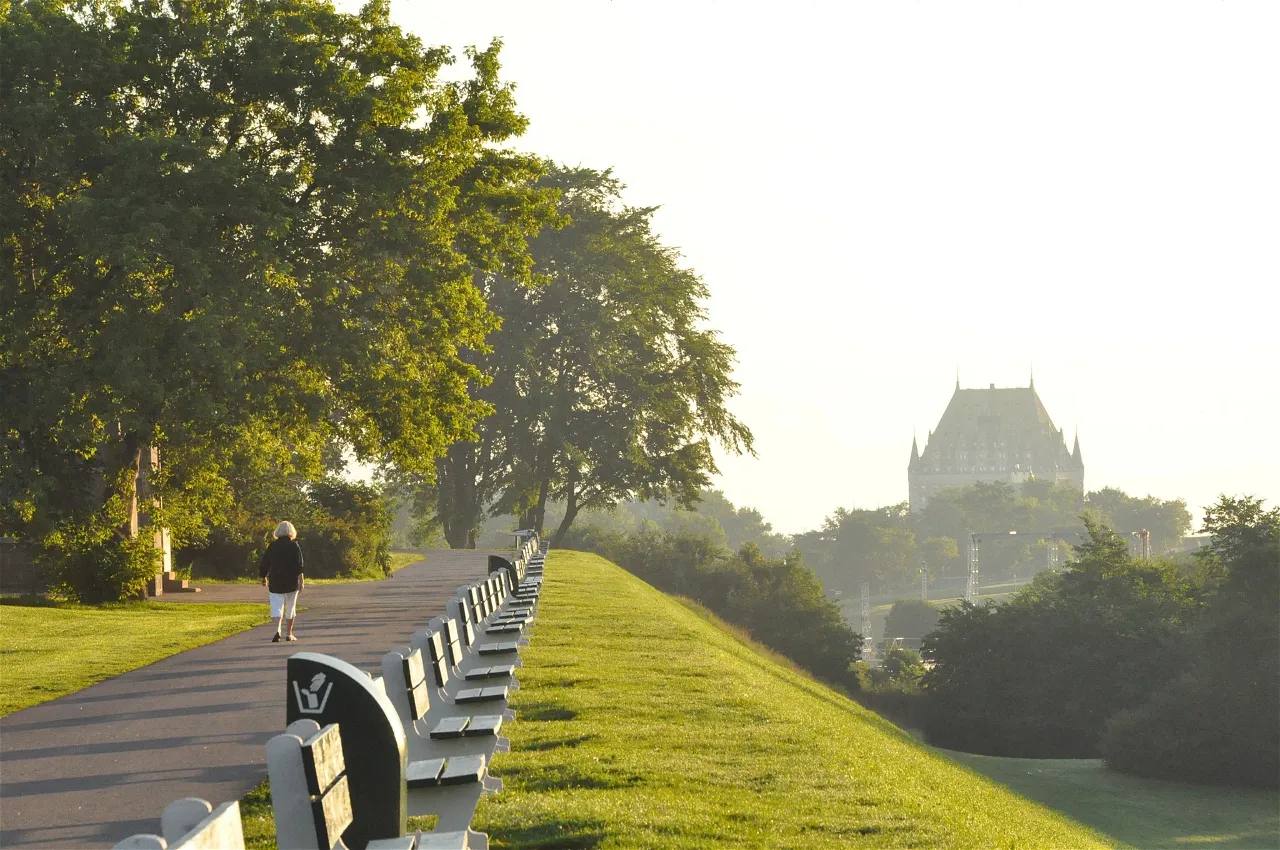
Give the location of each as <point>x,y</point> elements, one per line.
<point>887,546</point>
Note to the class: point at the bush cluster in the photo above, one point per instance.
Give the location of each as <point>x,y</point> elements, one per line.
<point>343,527</point>
<point>1163,671</point>
<point>779,601</point>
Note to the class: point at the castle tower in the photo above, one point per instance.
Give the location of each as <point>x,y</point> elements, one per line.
<point>992,435</point>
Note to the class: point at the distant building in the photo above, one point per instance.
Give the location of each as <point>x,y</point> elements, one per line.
<point>992,435</point>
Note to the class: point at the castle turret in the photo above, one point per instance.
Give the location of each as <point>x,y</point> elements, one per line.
<point>992,434</point>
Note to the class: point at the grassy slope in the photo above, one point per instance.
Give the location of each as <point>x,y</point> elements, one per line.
<point>1145,813</point>
<point>44,650</point>
<point>643,725</point>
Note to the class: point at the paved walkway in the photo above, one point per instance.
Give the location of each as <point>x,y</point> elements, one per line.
<point>96,766</point>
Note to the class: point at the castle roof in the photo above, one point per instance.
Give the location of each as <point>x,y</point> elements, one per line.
<point>1012,410</point>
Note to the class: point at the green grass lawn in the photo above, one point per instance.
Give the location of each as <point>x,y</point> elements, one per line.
<point>49,651</point>
<point>641,724</point>
<point>1143,813</point>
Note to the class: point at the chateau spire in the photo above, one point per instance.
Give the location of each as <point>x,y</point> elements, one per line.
<point>915,453</point>
<point>1033,376</point>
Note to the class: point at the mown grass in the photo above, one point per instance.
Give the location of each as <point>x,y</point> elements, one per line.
<point>1144,813</point>
<point>53,649</point>
<point>641,724</point>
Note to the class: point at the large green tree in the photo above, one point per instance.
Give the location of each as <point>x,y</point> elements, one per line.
<point>1217,721</point>
<point>606,383</point>
<point>1040,675</point>
<point>859,545</point>
<point>229,218</point>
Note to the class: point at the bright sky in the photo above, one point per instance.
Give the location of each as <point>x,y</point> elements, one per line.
<point>879,194</point>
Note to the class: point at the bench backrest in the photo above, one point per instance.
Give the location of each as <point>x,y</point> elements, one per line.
<point>310,790</point>
<point>193,824</point>
<point>439,662</point>
<point>325,769</point>
<point>449,634</point>
<point>458,613</point>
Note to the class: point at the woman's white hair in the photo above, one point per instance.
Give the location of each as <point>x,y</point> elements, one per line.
<point>286,529</point>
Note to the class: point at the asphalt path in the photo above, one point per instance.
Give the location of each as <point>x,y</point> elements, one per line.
<point>99,765</point>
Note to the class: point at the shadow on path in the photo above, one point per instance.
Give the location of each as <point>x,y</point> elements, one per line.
<point>93,767</point>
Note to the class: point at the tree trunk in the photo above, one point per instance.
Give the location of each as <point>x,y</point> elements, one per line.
<point>540,510</point>
<point>570,511</point>
<point>457,497</point>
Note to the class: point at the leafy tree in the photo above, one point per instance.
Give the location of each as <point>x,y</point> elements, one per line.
<point>227,218</point>
<point>1040,675</point>
<point>911,618</point>
<point>856,546</point>
<point>901,673</point>
<point>1168,521</point>
<point>607,387</point>
<point>941,555</point>
<point>1217,722</point>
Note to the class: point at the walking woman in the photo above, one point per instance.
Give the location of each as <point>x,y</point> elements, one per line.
<point>281,572</point>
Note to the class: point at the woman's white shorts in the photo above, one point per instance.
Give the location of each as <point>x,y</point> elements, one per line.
<point>284,603</point>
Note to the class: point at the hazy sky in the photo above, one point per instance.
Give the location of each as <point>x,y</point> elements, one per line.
<point>879,194</point>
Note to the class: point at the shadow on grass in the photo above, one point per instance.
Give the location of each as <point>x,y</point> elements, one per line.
<point>556,835</point>
<point>558,743</point>
<point>28,600</point>
<point>541,712</point>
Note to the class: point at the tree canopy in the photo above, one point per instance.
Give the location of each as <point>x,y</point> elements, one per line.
<point>606,383</point>
<point>235,219</point>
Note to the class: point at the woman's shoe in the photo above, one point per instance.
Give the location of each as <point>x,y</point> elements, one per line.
<point>291,637</point>
<point>275,638</point>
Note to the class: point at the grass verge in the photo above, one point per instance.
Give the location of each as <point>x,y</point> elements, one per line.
<point>641,724</point>
<point>45,650</point>
<point>1144,813</point>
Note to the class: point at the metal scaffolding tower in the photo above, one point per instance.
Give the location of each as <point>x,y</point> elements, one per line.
<point>971,587</point>
<point>868,645</point>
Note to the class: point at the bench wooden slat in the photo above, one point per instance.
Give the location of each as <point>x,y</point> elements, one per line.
<point>482,725</point>
<point>500,648</point>
<point>323,761</point>
<point>463,769</point>
<point>414,669</point>
<point>424,774</point>
<point>333,812</point>
<point>449,727</point>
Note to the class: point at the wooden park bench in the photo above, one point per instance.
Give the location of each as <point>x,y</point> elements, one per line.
<point>311,794</point>
<point>385,785</point>
<point>193,824</point>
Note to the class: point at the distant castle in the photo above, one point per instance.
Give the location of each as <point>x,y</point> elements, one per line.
<point>992,435</point>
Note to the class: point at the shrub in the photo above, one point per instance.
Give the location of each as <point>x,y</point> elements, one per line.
<point>1039,677</point>
<point>99,570</point>
<point>343,527</point>
<point>911,618</point>
<point>1217,722</point>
